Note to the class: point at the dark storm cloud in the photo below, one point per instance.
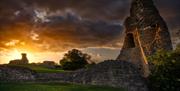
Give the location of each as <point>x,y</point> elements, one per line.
<point>169,9</point>
<point>72,27</point>
<point>73,31</point>
<point>72,23</point>
<point>97,9</point>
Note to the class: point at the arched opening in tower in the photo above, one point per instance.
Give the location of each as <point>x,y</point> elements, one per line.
<point>130,41</point>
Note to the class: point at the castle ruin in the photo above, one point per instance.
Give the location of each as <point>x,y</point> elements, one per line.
<point>146,32</point>
<point>23,60</point>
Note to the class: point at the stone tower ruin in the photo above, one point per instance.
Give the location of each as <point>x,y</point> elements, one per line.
<point>146,32</point>
<point>24,58</point>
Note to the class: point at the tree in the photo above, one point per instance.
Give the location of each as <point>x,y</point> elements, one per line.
<point>165,72</point>
<point>74,60</point>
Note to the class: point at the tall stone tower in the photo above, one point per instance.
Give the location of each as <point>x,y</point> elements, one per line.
<point>146,32</point>
<point>24,58</point>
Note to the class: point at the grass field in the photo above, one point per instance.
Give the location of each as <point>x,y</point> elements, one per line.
<point>53,87</point>
<point>39,68</point>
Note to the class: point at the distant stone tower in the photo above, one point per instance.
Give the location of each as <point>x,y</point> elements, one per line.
<point>21,61</point>
<point>146,32</point>
<point>24,58</point>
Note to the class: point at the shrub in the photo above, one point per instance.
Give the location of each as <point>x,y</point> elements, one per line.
<point>165,71</point>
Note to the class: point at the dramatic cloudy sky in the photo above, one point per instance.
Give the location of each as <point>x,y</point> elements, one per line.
<point>46,29</point>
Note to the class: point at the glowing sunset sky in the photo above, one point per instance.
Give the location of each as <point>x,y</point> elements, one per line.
<point>46,29</point>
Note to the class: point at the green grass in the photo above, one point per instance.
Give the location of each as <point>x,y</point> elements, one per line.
<point>39,68</point>
<point>53,87</point>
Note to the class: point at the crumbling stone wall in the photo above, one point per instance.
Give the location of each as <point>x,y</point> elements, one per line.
<point>112,73</point>
<point>9,73</point>
<point>109,73</point>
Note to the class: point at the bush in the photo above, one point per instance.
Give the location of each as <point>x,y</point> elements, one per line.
<point>165,71</point>
<point>74,60</point>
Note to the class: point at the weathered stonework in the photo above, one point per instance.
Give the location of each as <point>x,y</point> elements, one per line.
<point>112,73</point>
<point>9,73</point>
<point>146,32</point>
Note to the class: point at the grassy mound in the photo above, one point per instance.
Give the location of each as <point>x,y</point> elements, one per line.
<point>39,68</point>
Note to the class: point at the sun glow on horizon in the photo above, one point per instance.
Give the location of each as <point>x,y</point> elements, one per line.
<point>32,55</point>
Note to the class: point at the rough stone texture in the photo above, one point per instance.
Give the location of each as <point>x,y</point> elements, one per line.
<point>54,77</point>
<point>146,32</point>
<point>112,73</point>
<point>8,73</point>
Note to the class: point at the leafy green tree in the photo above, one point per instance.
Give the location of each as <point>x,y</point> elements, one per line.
<point>74,60</point>
<point>165,71</point>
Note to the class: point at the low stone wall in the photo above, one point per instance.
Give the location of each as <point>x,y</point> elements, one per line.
<point>9,73</point>
<point>112,73</point>
<point>109,73</point>
<point>54,77</point>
